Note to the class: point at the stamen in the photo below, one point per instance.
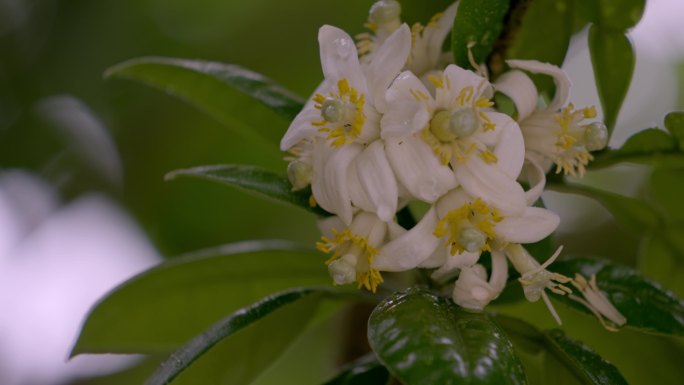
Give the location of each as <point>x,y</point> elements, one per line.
<point>342,114</point>
<point>469,228</point>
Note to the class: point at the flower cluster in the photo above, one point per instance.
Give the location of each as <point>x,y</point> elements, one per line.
<point>393,122</point>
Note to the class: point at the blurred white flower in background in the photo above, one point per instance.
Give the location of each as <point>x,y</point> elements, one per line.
<point>55,263</point>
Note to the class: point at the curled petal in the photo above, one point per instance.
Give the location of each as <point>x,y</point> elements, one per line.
<point>404,117</point>
<point>329,181</point>
<point>491,184</point>
<point>418,169</point>
<point>522,91</point>
<point>410,249</point>
<point>534,225</point>
<point>377,180</point>
<point>559,77</point>
<point>534,175</point>
<point>439,32</point>
<point>339,57</point>
<point>453,263</point>
<point>388,60</point>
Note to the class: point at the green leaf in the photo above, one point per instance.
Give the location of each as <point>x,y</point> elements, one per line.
<point>634,214</point>
<point>163,307</point>
<point>479,22</point>
<point>245,101</point>
<point>558,350</point>
<point>661,260</point>
<point>667,189</point>
<point>649,146</point>
<point>674,122</point>
<point>544,34</point>
<point>252,179</point>
<point>646,305</point>
<point>619,15</point>
<point>425,339</point>
<point>612,58</point>
<point>364,371</point>
<point>203,343</point>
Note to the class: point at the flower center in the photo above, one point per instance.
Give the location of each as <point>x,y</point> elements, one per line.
<point>342,114</point>
<point>351,254</point>
<point>469,227</point>
<point>456,124</point>
<point>575,139</point>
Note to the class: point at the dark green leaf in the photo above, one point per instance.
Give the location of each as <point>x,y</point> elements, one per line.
<point>619,15</point>
<point>364,371</point>
<point>241,99</point>
<point>636,215</point>
<point>163,307</point>
<point>252,179</point>
<point>661,260</point>
<point>674,122</point>
<point>612,58</point>
<point>479,22</point>
<point>552,18</point>
<point>558,351</point>
<point>645,304</point>
<point>425,339</point>
<point>650,146</point>
<point>203,343</point>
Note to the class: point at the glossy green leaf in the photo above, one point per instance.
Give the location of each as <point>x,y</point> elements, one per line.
<point>245,101</point>
<point>204,342</point>
<point>479,22</point>
<point>425,339</point>
<point>544,34</point>
<point>674,122</point>
<point>634,214</point>
<point>619,15</point>
<point>645,303</point>
<point>650,146</point>
<point>612,57</point>
<point>163,307</point>
<point>367,370</point>
<point>558,351</point>
<point>252,179</point>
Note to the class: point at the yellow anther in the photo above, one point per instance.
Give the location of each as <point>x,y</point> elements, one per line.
<point>475,215</point>
<point>489,157</point>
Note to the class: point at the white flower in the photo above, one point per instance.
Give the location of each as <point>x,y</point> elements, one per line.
<point>454,138</point>
<point>536,279</point>
<point>354,248</point>
<point>457,229</point>
<point>340,122</point>
<point>558,133</point>
<point>427,41</point>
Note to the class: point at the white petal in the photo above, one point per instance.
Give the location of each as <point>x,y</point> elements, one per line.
<point>437,259</point>
<point>329,181</point>
<point>454,263</point>
<point>522,91</point>
<point>326,225</point>
<point>459,78</point>
<point>509,147</point>
<point>559,77</point>
<point>418,169</point>
<point>534,225</point>
<point>453,200</point>
<point>357,194</point>
<point>535,176</point>
<point>472,291</point>
<point>371,127</point>
<point>394,230</point>
<point>377,180</point>
<point>301,127</point>
<point>489,182</point>
<point>409,250</point>
<point>405,86</point>
<point>404,117</point>
<point>339,57</point>
<point>388,60</point>
<point>439,32</point>
<point>499,271</point>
